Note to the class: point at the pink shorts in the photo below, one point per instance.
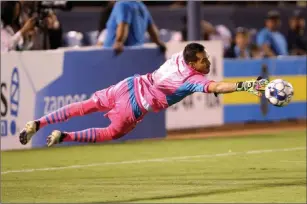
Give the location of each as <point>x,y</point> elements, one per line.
<point>120,101</point>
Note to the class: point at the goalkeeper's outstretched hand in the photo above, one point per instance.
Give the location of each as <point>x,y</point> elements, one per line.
<point>256,87</point>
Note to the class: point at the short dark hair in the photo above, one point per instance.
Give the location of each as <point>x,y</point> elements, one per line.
<point>189,52</point>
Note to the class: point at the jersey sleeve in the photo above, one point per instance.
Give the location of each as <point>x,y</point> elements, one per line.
<point>198,83</point>
<point>122,13</point>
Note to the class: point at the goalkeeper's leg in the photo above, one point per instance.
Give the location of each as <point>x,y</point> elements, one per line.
<point>124,117</point>
<point>91,135</point>
<point>123,120</point>
<point>65,113</point>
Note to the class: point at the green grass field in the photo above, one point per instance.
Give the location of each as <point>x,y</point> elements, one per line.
<point>260,168</point>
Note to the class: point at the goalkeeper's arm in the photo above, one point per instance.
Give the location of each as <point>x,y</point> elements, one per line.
<point>222,87</point>
<point>253,86</point>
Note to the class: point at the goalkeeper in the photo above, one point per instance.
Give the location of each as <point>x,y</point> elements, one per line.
<point>127,102</point>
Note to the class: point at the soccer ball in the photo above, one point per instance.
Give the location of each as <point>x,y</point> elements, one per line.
<point>279,92</point>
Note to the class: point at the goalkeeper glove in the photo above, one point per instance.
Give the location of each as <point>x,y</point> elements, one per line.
<point>255,87</point>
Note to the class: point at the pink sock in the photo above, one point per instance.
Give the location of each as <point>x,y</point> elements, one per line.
<point>91,135</point>
<point>68,111</point>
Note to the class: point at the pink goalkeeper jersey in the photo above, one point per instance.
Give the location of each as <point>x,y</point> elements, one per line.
<point>169,84</point>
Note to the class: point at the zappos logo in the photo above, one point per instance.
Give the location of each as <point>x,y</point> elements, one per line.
<point>10,95</point>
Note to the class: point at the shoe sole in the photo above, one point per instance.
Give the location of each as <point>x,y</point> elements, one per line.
<point>23,137</point>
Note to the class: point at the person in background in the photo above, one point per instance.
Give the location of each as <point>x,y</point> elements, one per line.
<point>209,32</point>
<point>26,9</point>
<point>12,33</point>
<point>221,33</point>
<point>240,47</point>
<point>48,32</point>
<point>269,39</point>
<point>297,45</point>
<point>255,51</point>
<point>127,25</point>
<point>47,35</point>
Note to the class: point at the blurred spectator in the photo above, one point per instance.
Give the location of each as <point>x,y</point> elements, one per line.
<point>128,24</point>
<point>252,36</point>
<point>105,14</point>
<point>12,33</point>
<point>255,51</point>
<point>218,32</point>
<point>48,31</point>
<point>209,32</point>
<point>176,36</point>
<point>222,33</point>
<point>297,45</point>
<point>26,10</point>
<point>239,49</point>
<point>271,41</point>
<point>45,35</point>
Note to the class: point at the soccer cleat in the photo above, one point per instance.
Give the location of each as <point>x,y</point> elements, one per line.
<point>56,137</point>
<point>27,133</point>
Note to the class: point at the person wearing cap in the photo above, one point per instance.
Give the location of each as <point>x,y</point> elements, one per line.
<point>239,49</point>
<point>271,41</point>
<point>297,45</point>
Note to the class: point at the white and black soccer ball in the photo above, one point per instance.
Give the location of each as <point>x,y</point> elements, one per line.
<point>279,92</point>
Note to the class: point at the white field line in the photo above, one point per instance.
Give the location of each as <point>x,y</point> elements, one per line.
<point>166,159</point>
<point>300,161</point>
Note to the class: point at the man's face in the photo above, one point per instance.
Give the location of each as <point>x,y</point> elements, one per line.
<point>242,40</point>
<point>294,23</point>
<point>273,23</point>
<point>202,64</point>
